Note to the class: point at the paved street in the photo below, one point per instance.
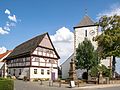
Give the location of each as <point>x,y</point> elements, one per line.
<point>112,88</point>
<point>22,85</point>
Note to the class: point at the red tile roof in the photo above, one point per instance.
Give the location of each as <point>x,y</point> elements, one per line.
<point>4,54</point>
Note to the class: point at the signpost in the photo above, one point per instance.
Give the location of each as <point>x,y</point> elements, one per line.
<point>72,84</point>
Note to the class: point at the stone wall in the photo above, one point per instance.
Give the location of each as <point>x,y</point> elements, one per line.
<point>114,81</point>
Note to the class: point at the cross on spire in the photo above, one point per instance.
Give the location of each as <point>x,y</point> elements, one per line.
<point>85,11</point>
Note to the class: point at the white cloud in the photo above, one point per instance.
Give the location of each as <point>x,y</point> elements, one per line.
<point>6,28</point>
<point>3,31</point>
<point>2,50</point>
<point>11,23</point>
<point>63,42</point>
<point>113,10</point>
<point>12,18</point>
<point>7,11</point>
<point>62,35</point>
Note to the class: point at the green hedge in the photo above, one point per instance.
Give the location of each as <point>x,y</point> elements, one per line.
<point>6,84</point>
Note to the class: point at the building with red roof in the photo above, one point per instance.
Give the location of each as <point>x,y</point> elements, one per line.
<point>3,65</point>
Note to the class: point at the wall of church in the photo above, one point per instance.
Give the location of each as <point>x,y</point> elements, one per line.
<point>107,62</point>
<point>81,33</point>
<point>89,32</point>
<point>65,67</point>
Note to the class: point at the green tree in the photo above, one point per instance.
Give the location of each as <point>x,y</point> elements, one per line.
<point>105,71</point>
<point>86,55</point>
<point>109,40</point>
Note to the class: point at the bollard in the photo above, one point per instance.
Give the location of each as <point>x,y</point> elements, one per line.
<point>51,83</point>
<point>60,83</point>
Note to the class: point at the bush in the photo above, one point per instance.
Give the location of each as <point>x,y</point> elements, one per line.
<point>35,80</point>
<point>6,84</point>
<point>95,71</point>
<point>40,79</point>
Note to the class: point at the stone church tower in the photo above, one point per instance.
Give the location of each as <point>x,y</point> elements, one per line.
<point>86,28</point>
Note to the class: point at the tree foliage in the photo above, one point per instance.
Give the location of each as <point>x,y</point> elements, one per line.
<point>109,40</point>
<point>86,55</point>
<point>105,72</point>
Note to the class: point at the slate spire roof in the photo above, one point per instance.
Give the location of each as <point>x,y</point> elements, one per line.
<point>86,21</point>
<point>28,47</point>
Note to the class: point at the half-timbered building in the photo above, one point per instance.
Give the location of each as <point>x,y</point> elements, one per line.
<point>35,58</point>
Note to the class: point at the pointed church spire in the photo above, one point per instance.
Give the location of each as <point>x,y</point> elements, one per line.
<point>86,21</point>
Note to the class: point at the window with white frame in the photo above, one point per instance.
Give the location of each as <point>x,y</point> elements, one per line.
<point>42,71</point>
<point>19,71</point>
<point>48,72</point>
<point>35,71</point>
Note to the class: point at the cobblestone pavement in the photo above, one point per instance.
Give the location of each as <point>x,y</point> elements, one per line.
<point>22,85</point>
<point>111,88</point>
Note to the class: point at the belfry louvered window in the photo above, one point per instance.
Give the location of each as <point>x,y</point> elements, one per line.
<point>85,33</point>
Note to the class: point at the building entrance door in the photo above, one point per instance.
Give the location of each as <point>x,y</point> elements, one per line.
<point>53,76</point>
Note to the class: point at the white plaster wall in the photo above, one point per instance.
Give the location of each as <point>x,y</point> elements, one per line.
<point>46,42</point>
<point>35,63</point>
<point>5,65</point>
<point>24,72</point>
<point>35,52</point>
<point>80,35</point>
<point>65,67</point>
<point>107,61</point>
<point>39,75</point>
<point>54,65</point>
<point>42,64</point>
<point>4,68</point>
<point>80,72</point>
<point>48,64</point>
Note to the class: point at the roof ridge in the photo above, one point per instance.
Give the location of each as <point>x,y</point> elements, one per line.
<point>31,39</point>
<point>27,47</point>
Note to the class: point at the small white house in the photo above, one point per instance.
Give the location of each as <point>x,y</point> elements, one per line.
<point>3,65</point>
<point>34,59</point>
<point>85,29</point>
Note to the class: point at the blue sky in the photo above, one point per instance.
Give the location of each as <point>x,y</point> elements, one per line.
<point>38,16</point>
<point>27,18</point>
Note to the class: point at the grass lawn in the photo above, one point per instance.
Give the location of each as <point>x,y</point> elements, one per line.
<point>6,84</point>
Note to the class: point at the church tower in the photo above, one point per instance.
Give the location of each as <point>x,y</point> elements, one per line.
<point>86,28</point>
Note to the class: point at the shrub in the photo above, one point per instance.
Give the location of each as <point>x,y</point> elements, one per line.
<point>35,80</point>
<point>6,84</point>
<point>95,70</point>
